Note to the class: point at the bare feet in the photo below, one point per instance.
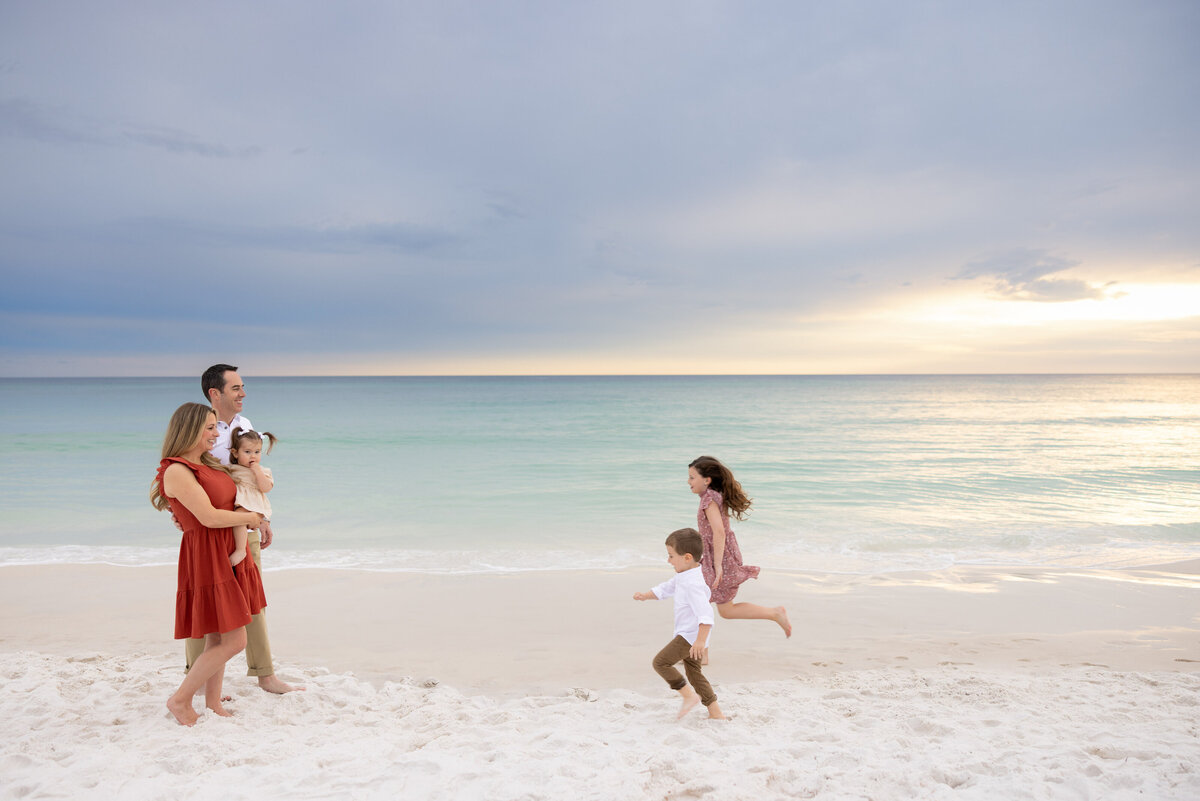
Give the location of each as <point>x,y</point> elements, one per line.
<point>272,684</point>
<point>714,712</point>
<point>182,711</point>
<point>690,700</point>
<point>782,619</point>
<point>220,710</point>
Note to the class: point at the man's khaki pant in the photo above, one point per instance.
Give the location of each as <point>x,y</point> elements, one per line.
<point>258,647</point>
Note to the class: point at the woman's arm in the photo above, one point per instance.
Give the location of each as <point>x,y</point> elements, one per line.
<point>180,483</point>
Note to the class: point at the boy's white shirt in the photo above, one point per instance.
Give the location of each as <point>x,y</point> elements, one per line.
<point>691,602</point>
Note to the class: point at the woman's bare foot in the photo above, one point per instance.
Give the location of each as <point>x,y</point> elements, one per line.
<point>690,700</point>
<point>782,619</point>
<point>219,709</point>
<point>236,558</point>
<point>272,684</point>
<point>182,711</point>
<point>714,712</point>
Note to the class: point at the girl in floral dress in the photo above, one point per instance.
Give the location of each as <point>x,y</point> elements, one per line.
<point>720,493</point>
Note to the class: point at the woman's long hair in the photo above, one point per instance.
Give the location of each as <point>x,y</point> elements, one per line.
<point>182,433</point>
<point>722,480</point>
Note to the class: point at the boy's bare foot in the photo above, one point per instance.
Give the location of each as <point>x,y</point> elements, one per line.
<point>272,684</point>
<point>690,701</point>
<point>714,712</point>
<point>236,558</point>
<point>220,710</point>
<point>182,712</point>
<point>782,619</point>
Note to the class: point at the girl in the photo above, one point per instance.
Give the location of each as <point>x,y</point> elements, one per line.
<point>253,480</point>
<point>212,600</point>
<point>720,493</point>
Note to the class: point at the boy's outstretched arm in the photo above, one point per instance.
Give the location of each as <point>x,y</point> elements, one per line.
<point>645,596</point>
<point>697,651</point>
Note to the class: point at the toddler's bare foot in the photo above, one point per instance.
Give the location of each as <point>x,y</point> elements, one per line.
<point>782,619</point>
<point>690,700</point>
<point>237,557</point>
<point>182,711</point>
<point>714,712</point>
<point>272,684</point>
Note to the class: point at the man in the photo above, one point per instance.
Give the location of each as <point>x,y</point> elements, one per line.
<point>223,388</point>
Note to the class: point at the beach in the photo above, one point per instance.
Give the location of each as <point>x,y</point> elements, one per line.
<point>970,682</point>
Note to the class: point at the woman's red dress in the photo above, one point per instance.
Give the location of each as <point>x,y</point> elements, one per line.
<point>213,596</point>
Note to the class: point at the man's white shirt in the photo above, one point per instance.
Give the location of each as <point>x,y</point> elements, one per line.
<point>225,434</point>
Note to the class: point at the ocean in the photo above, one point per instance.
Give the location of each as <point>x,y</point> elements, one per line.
<point>849,474</point>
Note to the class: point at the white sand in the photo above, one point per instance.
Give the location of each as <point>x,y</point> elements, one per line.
<point>975,684</point>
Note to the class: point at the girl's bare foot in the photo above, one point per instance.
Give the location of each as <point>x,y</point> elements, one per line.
<point>690,700</point>
<point>714,712</point>
<point>782,619</point>
<point>182,712</point>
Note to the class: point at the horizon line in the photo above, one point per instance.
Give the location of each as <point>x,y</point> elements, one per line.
<point>620,375</point>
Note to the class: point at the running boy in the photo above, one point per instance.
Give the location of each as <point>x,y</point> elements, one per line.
<point>693,622</point>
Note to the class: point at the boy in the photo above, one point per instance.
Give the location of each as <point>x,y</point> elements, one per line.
<point>693,622</point>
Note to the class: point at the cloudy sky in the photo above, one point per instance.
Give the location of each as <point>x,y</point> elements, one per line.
<point>614,187</point>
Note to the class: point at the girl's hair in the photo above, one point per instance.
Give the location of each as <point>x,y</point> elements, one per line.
<point>182,432</point>
<point>240,435</point>
<point>722,481</point>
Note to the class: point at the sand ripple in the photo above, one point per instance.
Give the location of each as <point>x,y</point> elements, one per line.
<point>95,726</point>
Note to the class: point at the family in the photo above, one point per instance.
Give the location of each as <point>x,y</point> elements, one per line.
<point>212,481</point>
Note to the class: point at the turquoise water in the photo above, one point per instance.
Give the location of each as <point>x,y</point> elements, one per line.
<point>849,474</point>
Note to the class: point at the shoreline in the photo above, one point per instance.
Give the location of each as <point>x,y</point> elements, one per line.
<point>542,631</point>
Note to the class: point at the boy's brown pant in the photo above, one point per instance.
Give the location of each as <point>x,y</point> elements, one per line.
<point>679,650</point>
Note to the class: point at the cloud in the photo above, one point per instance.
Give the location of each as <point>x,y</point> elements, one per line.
<point>24,119</point>
<point>1022,274</point>
<point>395,236</point>
<point>183,143</point>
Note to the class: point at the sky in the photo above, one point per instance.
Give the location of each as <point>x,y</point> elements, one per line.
<point>429,188</point>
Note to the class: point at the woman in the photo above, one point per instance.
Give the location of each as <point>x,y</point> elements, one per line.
<point>214,600</point>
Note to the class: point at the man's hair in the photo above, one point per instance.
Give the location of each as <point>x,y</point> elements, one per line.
<point>687,540</point>
<point>214,378</point>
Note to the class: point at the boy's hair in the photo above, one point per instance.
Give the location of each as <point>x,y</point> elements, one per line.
<point>239,434</point>
<point>687,540</point>
<point>214,378</point>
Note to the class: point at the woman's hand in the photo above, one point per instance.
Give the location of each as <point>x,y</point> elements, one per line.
<point>255,522</point>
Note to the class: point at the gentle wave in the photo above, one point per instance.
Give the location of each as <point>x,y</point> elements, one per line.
<point>837,560</point>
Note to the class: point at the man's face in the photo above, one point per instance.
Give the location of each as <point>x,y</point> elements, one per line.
<point>228,401</point>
